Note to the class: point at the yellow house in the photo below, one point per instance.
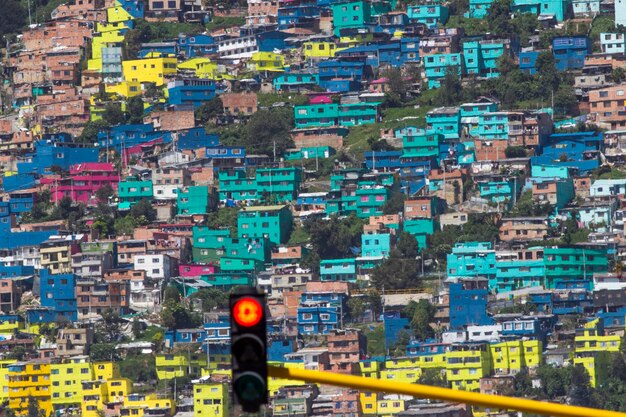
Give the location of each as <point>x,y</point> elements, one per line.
<point>170,366</point>
<point>118,388</point>
<point>95,394</point>
<point>318,50</point>
<point>67,378</point>
<point>9,323</point>
<point>203,67</point>
<point>118,14</point>
<point>427,361</point>
<point>369,402</point>
<point>274,384</point>
<point>138,405</point>
<point>124,89</point>
<point>410,375</point>
<point>56,256</point>
<point>267,61</point>
<point>103,371</point>
<point>466,364</point>
<point>30,379</point>
<point>99,41</point>
<point>532,353</point>
<point>4,379</point>
<point>370,369</point>
<point>595,363</point>
<point>151,70</point>
<point>211,399</point>
<point>590,339</point>
<point>390,407</point>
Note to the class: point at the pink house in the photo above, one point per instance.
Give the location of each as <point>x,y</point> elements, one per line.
<point>193,270</point>
<point>83,182</point>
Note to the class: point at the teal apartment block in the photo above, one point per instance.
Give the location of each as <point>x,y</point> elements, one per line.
<point>249,266</point>
<point>549,171</point>
<point>502,191</point>
<point>466,153</point>
<point>194,200</point>
<point>445,121</point>
<point>436,66</point>
<point>357,114</point>
<point>469,110</point>
<point>283,184</point>
<point>271,222</point>
<point>481,56</point>
<point>209,246</point>
<point>417,143</point>
<point>131,191</point>
<point>316,152</point>
<point>235,185</point>
<point>517,274</point>
<point>429,14</point>
<point>316,115</point>
<point>229,280</point>
<point>375,245</point>
<point>363,202</point>
<point>478,9</point>
<point>353,14</point>
<point>564,265</point>
<point>421,229</point>
<point>290,82</point>
<point>338,270</point>
<point>331,114</point>
<point>472,259</point>
<point>342,178</point>
<point>492,126</point>
<point>560,9</point>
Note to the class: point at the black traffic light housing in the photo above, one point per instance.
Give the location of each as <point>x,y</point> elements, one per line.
<point>248,338</point>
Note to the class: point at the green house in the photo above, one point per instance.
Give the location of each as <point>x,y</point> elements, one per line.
<point>194,200</point>
<point>235,185</point>
<point>563,265</point>
<point>271,222</point>
<point>421,229</point>
<point>131,191</point>
<point>352,14</point>
<point>213,245</point>
<point>282,184</point>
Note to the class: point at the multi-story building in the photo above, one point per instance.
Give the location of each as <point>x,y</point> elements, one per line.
<point>74,342</point>
<point>570,51</point>
<point>66,379</point>
<point>466,364</point>
<point>26,380</point>
<point>94,297</point>
<point>195,200</point>
<point>436,67</point>
<point>56,254</point>
<point>56,293</point>
<point>520,229</point>
<point>568,265</point>
<point>211,399</point>
<point>345,349</point>
<point>472,259</point>
<point>445,121</point>
<point>271,222</point>
<point>83,182</point>
<point>91,265</point>
<point>131,191</point>
<point>168,180</point>
<point>150,70</point>
<point>157,267</point>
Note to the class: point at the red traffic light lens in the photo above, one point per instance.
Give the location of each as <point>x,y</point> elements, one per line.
<point>247,312</point>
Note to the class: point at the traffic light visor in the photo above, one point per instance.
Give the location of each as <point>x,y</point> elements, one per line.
<point>247,312</point>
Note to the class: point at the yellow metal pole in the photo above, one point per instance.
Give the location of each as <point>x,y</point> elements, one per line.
<point>446,394</point>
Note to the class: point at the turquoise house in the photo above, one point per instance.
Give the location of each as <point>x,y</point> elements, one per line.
<point>481,56</point>
<point>429,14</point>
<point>472,259</point>
<point>235,185</point>
<point>316,152</point>
<point>559,9</point>
<point>549,171</point>
<point>209,246</point>
<point>132,191</point>
<point>271,222</point>
<point>375,245</point>
<point>283,184</point>
<point>338,270</point>
<point>517,274</point>
<point>421,229</point>
<point>445,121</point>
<point>492,126</point>
<point>194,200</point>
<point>478,9</point>
<point>436,66</point>
<point>567,265</point>
<point>295,82</point>
<point>502,191</point>
<point>352,14</point>
<point>416,143</point>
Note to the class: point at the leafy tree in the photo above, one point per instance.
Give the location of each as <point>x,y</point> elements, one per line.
<point>618,75</point>
<point>435,377</point>
<point>451,89</point>
<point>554,381</point>
<point>135,110</point>
<point>547,74</point>
<point>139,368</point>
<point>402,340</point>
<point>580,391</point>
<point>110,328</point>
<point>12,18</point>
<point>397,86</point>
<point>395,203</point>
<point>176,316</point>
<point>34,410</point>
<point>515,152</point>
<point>137,328</point>
<point>100,352</point>
<point>103,193</point>
<point>336,237</point>
<point>209,110</point>
<point>124,226</point>
<point>171,294</point>
<point>499,18</point>
<point>526,206</point>
<point>269,130</point>
<point>211,298</point>
<point>90,132</point>
<point>422,313</point>
<point>143,212</point>
<point>523,384</point>
<point>17,353</point>
<point>356,306</point>
<point>113,114</point>
<point>398,271</point>
<point>225,217</point>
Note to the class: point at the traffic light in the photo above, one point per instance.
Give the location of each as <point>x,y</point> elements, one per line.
<point>248,338</point>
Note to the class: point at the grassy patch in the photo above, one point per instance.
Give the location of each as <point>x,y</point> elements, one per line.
<point>266,100</point>
<point>298,236</point>
<point>220,22</point>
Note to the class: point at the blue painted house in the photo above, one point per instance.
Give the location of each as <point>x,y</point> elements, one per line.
<point>196,138</point>
<point>527,61</point>
<point>60,152</point>
<point>570,51</point>
<point>190,91</point>
<point>57,293</point>
<point>472,259</point>
<point>579,151</point>
<point>196,45</point>
<point>318,318</point>
<point>128,136</point>
<point>341,76</point>
<point>468,304</point>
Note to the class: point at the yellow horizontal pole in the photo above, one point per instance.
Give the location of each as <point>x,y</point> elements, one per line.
<point>446,394</point>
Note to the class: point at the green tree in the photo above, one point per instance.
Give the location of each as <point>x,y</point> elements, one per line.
<point>102,352</point>
<point>211,298</point>
<point>208,111</point>
<point>124,226</point>
<point>110,327</point>
<point>139,368</point>
<point>176,316</point>
<point>224,218</point>
<point>269,131</point>
<point>434,377</point>
<point>12,18</point>
<point>356,307</point>
<point>34,410</point>
<point>336,237</point>
<point>422,313</point>
<point>113,114</point>
<point>395,203</point>
<point>451,90</point>
<point>397,87</point>
<point>499,18</point>
<point>143,212</point>
<point>547,75</point>
<point>103,193</point>
<point>580,391</point>
<point>137,328</point>
<point>90,132</point>
<point>515,152</point>
<point>135,110</point>
<point>171,294</point>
